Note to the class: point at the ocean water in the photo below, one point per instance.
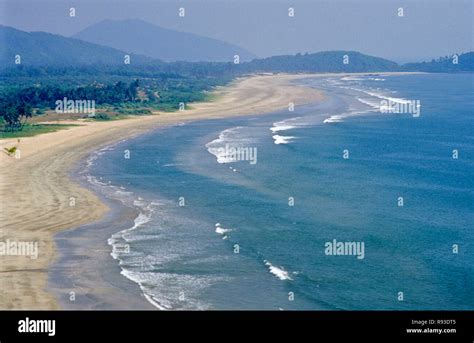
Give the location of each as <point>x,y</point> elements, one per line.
<point>221,230</point>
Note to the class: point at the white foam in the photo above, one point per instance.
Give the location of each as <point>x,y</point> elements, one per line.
<point>138,278</point>
<point>277,128</point>
<point>334,119</point>
<point>279,272</point>
<point>233,137</point>
<point>392,99</point>
<point>351,78</point>
<point>220,230</point>
<point>369,103</point>
<point>282,139</point>
<point>90,161</point>
<point>337,118</point>
<point>140,203</point>
<point>382,96</point>
<point>288,124</point>
<point>155,303</point>
<point>141,219</point>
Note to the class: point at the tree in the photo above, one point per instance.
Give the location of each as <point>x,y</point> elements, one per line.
<point>25,111</point>
<point>132,90</point>
<point>16,116</point>
<point>11,118</point>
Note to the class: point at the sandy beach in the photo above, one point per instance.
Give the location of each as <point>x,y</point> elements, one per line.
<point>36,189</point>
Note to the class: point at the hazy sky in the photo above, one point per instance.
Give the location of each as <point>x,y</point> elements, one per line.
<point>428,28</point>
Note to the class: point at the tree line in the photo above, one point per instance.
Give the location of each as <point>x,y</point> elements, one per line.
<point>16,104</point>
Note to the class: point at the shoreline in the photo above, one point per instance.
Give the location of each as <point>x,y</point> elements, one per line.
<point>97,288</point>
<point>38,204</point>
<point>38,189</point>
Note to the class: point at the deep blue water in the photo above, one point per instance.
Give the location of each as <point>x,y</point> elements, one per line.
<point>267,254</point>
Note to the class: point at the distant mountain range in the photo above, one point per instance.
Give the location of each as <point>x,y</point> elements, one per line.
<point>38,49</point>
<point>139,37</point>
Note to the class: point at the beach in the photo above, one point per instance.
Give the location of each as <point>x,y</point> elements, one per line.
<point>39,199</point>
<point>74,194</point>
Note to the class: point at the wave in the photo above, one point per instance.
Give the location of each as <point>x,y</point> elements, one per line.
<point>372,99</point>
<point>334,119</point>
<point>282,126</point>
<point>229,137</point>
<point>90,161</point>
<point>291,123</point>
<point>282,139</point>
<point>119,240</point>
<point>392,99</point>
<point>288,124</point>
<point>152,300</point>
<point>352,78</point>
<point>222,231</point>
<point>338,118</point>
<point>279,272</point>
<point>139,267</point>
<point>369,103</point>
<point>139,278</point>
<point>279,128</point>
<point>381,96</point>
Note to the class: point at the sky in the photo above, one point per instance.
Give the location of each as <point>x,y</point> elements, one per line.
<point>427,29</point>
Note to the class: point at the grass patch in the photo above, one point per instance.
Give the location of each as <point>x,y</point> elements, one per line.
<point>108,117</point>
<point>34,129</point>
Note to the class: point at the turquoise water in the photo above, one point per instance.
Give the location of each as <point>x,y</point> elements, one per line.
<point>237,243</point>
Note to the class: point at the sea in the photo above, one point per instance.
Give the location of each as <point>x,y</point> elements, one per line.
<point>362,201</point>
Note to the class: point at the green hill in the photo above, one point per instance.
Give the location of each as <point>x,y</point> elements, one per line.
<point>41,48</point>
<point>444,64</point>
<point>327,61</point>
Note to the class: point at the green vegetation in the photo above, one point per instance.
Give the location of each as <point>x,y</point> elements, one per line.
<point>33,130</point>
<point>101,116</point>
<point>326,61</point>
<point>117,93</point>
<point>15,116</point>
<point>447,64</point>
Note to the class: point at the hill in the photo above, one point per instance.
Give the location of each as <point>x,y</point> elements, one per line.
<point>444,64</point>
<point>41,48</point>
<point>140,37</point>
<point>327,61</point>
